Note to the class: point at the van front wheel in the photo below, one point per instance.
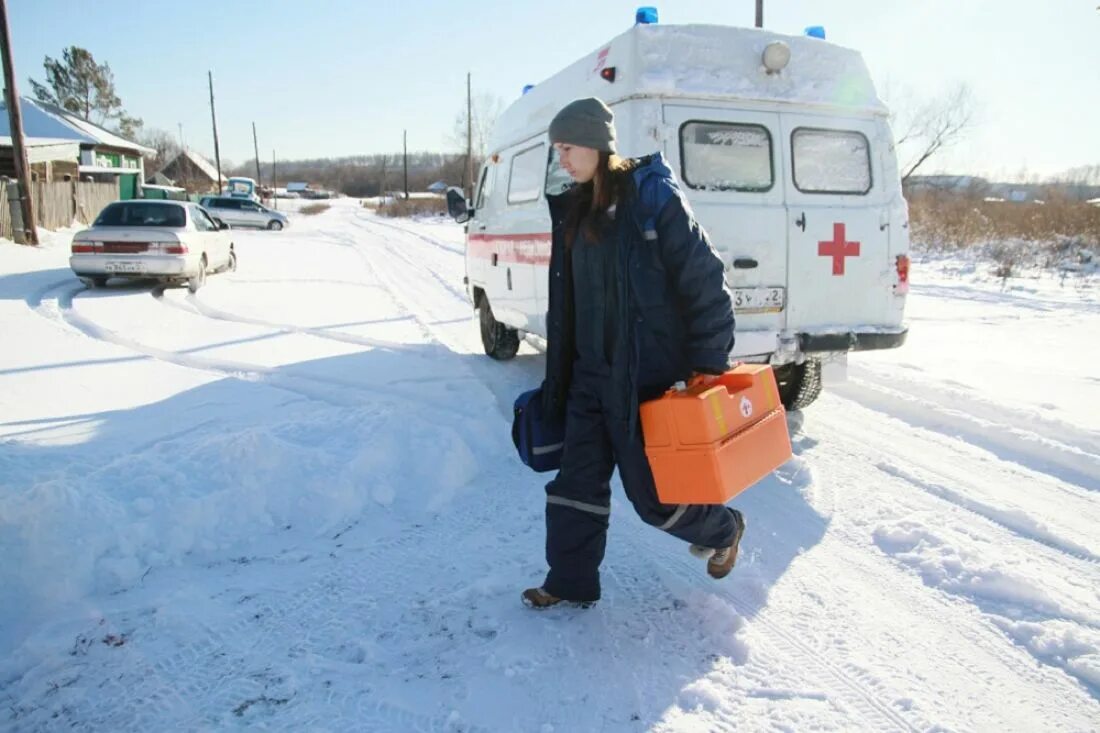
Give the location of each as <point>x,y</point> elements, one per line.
<point>500,342</point>
<point>799,384</point>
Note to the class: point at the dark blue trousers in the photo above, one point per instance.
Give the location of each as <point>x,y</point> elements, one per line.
<point>578,500</point>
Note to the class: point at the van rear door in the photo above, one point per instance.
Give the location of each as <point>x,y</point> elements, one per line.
<point>838,244</point>
<point>730,162</point>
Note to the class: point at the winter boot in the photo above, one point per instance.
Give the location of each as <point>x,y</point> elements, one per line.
<point>539,599</point>
<point>720,561</point>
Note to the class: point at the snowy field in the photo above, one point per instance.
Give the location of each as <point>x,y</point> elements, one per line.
<point>290,502</point>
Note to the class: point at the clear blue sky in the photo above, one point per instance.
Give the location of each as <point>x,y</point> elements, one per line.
<point>324,78</point>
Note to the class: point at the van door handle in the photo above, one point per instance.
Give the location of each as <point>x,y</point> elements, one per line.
<point>801,221</point>
<point>481,227</point>
<point>745,263</point>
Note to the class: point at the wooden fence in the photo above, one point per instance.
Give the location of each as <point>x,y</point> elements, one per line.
<point>61,204</point>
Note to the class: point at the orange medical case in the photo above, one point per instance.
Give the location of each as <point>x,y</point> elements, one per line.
<point>706,443</point>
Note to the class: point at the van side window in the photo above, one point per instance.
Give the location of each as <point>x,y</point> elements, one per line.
<point>831,161</point>
<point>557,180</point>
<point>485,189</point>
<point>525,179</point>
<point>722,156</point>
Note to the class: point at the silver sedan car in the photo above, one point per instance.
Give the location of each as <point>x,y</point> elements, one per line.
<point>171,241</point>
<point>244,213</point>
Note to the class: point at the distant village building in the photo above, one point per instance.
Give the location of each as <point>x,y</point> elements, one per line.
<point>190,171</point>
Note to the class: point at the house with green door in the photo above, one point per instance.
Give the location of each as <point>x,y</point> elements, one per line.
<point>62,146</point>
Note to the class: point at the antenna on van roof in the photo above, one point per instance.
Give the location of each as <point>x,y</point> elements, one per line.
<point>646,15</point>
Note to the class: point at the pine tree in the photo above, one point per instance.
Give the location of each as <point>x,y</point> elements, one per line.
<point>78,84</point>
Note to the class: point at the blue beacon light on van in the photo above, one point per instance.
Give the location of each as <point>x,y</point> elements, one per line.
<point>528,87</point>
<point>645,16</point>
<point>816,31</point>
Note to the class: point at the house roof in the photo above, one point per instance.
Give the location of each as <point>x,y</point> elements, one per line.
<point>46,149</point>
<point>199,162</point>
<point>42,120</point>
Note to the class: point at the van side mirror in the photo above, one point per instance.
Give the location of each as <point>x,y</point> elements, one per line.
<point>456,206</point>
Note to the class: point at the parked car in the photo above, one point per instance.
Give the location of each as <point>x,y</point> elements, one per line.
<point>170,241</point>
<point>244,213</point>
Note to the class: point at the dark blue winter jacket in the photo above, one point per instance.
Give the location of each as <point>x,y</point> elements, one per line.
<point>675,311</point>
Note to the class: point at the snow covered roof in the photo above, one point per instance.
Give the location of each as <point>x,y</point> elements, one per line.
<point>698,62</point>
<point>42,120</point>
<point>208,169</point>
<point>46,149</point>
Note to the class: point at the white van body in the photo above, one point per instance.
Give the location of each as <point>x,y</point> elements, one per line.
<point>792,174</point>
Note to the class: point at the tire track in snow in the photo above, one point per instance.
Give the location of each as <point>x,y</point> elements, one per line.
<point>365,225</point>
<point>323,389</point>
<point>775,641</point>
<point>200,308</point>
<point>1060,451</point>
<point>429,240</point>
<point>1017,523</point>
<point>983,629</point>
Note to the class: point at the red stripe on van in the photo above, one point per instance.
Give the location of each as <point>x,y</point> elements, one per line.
<point>520,249</point>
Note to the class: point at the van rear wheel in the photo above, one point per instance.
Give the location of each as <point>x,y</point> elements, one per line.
<point>799,384</point>
<point>500,342</point>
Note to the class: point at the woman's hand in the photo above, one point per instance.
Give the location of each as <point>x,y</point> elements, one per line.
<point>704,379</point>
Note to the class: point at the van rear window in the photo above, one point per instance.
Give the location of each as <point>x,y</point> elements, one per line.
<point>831,161</point>
<point>723,156</point>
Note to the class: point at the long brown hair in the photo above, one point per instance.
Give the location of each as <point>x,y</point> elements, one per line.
<point>595,197</point>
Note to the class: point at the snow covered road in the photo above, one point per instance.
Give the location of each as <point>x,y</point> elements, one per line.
<point>290,501</point>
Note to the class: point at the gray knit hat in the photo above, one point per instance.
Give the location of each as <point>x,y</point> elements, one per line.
<point>586,122</point>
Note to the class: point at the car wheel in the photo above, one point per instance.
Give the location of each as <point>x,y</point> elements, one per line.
<point>500,342</point>
<point>198,280</point>
<point>275,226</point>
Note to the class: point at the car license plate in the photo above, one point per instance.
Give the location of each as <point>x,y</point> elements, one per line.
<point>759,300</point>
<point>126,267</point>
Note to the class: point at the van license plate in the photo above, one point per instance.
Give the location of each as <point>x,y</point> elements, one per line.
<point>124,267</point>
<point>759,300</point>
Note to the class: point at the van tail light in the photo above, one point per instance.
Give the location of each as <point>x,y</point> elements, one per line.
<point>903,275</point>
<point>87,248</point>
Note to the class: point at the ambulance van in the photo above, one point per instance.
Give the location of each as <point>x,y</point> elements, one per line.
<point>785,153</point>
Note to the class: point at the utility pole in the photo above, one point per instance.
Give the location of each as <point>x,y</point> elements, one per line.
<point>256,147</point>
<point>274,181</point>
<point>214,120</point>
<point>469,140</point>
<point>29,233</point>
<point>759,13</point>
<point>182,146</point>
<point>406,165</point>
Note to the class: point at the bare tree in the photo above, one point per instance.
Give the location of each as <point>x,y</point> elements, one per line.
<point>486,110</point>
<point>165,145</point>
<point>932,125</point>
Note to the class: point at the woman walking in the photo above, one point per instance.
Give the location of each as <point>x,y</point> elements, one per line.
<point>637,302</point>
